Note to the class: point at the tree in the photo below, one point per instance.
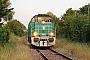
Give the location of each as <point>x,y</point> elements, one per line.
<point>84,10</point>
<point>6,12</point>
<point>79,27</point>
<point>67,20</point>
<point>74,25</point>
<point>16,27</point>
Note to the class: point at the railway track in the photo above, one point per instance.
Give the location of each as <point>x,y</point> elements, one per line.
<point>49,54</point>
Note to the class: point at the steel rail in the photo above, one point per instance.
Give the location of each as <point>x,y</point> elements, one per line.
<point>61,54</point>
<point>42,55</point>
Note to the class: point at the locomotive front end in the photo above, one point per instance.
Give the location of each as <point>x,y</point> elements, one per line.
<point>43,32</point>
<point>43,35</point>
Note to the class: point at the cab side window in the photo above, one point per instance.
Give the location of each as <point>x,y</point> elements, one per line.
<point>32,20</point>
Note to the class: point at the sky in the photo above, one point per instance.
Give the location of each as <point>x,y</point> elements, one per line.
<point>26,9</point>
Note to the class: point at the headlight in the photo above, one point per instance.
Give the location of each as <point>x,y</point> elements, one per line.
<point>51,34</point>
<point>35,34</point>
<point>43,22</point>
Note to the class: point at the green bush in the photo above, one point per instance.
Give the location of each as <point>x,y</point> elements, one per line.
<point>16,27</point>
<point>4,35</point>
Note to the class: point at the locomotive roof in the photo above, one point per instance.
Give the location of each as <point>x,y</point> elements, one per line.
<point>41,15</point>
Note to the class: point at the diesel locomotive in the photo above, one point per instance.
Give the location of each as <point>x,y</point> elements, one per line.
<point>41,31</point>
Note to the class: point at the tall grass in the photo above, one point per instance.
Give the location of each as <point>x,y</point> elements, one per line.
<point>16,49</point>
<point>6,51</point>
<point>79,50</point>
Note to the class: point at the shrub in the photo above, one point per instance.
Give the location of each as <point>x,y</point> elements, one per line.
<point>4,35</point>
<point>16,27</point>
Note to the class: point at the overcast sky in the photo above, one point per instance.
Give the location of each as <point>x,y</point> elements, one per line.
<point>26,9</point>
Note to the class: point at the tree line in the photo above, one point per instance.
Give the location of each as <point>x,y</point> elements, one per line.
<point>74,24</point>
<point>12,26</point>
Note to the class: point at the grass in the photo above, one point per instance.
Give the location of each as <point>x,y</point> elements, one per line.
<point>79,50</point>
<point>16,49</point>
<point>6,51</point>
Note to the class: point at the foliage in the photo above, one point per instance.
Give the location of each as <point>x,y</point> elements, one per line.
<point>79,27</point>
<point>74,24</point>
<point>5,11</point>
<point>4,35</point>
<point>17,28</point>
<point>84,9</point>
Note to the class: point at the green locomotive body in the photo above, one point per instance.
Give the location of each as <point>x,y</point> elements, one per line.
<point>41,31</point>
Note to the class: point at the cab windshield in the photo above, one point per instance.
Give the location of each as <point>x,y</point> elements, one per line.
<point>40,19</point>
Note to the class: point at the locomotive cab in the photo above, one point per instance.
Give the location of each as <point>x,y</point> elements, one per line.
<point>41,31</point>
